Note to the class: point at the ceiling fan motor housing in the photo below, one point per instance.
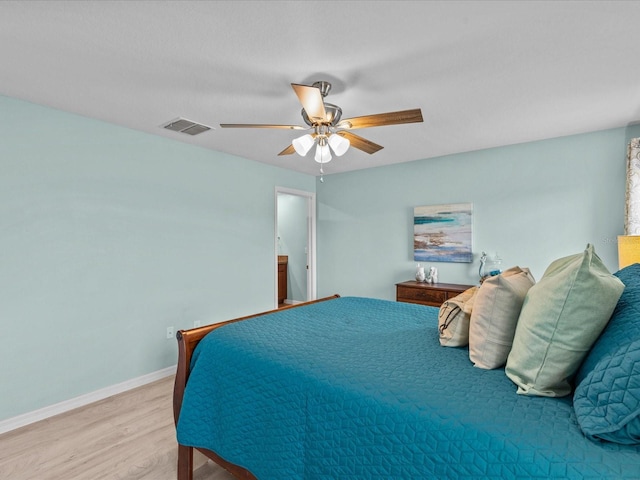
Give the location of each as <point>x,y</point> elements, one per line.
<point>333,115</point>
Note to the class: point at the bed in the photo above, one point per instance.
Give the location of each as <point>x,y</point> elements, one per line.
<point>351,387</point>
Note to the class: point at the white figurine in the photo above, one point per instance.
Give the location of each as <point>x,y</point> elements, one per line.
<point>433,275</point>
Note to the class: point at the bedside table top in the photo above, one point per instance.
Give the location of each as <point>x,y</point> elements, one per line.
<point>435,286</point>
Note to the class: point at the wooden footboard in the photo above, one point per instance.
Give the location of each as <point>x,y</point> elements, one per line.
<point>187,342</point>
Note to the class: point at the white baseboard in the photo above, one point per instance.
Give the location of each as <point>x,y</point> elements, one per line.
<point>66,405</point>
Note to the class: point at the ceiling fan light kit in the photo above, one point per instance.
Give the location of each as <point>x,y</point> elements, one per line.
<point>330,132</point>
<point>324,139</point>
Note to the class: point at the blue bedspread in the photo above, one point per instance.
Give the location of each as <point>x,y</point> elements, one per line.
<point>358,388</point>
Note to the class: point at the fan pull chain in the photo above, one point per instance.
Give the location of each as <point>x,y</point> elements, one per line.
<point>321,174</point>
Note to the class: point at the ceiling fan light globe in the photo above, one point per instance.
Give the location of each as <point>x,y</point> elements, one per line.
<point>323,154</point>
<point>339,144</point>
<point>303,144</point>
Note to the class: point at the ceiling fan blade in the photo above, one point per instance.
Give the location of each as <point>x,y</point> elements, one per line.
<point>311,100</point>
<point>381,119</point>
<point>261,125</point>
<point>288,151</point>
<point>360,143</point>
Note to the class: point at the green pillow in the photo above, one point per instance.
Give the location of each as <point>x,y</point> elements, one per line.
<point>561,318</point>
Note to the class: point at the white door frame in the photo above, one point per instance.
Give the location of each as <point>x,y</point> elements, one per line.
<point>311,240</point>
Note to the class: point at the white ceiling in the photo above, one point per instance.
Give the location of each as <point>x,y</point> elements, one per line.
<point>484,73</point>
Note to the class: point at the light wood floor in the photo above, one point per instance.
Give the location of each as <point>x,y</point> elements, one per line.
<point>125,437</point>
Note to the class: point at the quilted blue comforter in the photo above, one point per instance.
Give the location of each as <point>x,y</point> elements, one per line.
<point>360,388</point>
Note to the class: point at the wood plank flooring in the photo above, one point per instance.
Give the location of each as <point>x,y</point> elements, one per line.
<point>129,436</point>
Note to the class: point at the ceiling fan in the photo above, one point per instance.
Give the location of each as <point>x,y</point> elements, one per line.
<point>329,131</point>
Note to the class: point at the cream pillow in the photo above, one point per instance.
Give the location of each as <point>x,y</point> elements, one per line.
<point>453,319</point>
<point>494,316</point>
<point>562,316</point>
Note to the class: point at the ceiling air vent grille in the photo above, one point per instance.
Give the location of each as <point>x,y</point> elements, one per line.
<point>186,126</point>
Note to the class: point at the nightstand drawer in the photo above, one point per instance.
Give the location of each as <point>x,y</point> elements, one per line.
<point>431,294</point>
<point>421,295</point>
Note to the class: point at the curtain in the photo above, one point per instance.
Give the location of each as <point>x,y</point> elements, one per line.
<point>632,204</point>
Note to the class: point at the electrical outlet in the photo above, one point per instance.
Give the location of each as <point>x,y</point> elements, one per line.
<point>169,332</point>
<point>196,323</point>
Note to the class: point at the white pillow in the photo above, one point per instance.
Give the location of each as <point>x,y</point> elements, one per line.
<point>494,316</point>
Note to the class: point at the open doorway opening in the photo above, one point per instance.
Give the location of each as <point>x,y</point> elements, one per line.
<point>295,256</point>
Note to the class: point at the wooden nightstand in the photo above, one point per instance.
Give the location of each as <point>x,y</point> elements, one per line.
<point>432,294</point>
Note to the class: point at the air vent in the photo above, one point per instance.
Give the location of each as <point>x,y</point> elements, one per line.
<point>186,126</point>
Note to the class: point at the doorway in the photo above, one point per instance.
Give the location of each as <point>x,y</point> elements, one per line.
<point>295,246</point>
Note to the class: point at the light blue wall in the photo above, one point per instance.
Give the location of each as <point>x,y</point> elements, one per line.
<point>532,203</point>
<point>108,236</point>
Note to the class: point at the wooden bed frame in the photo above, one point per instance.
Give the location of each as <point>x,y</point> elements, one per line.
<point>187,341</point>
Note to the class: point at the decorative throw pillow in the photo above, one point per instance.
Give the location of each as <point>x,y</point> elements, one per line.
<point>495,314</point>
<point>453,319</point>
<point>561,318</point>
<point>607,396</point>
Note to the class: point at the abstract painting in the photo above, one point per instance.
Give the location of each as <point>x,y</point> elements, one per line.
<point>442,233</point>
